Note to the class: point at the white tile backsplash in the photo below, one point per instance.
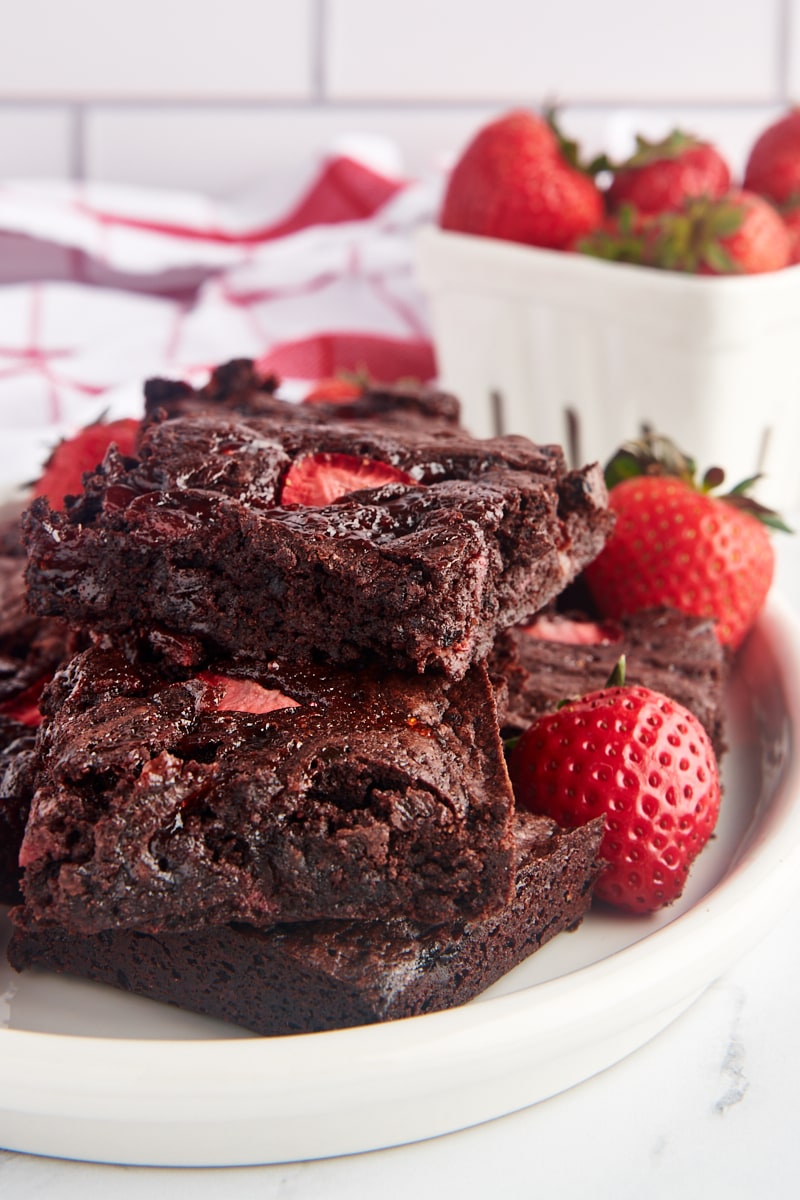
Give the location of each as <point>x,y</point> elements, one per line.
<point>617,51</point>
<point>227,151</point>
<point>793,51</point>
<point>214,96</point>
<point>163,49</point>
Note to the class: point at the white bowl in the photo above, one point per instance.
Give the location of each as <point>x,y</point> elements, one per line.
<point>527,338</point>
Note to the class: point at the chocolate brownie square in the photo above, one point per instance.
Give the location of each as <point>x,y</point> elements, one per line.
<point>192,538</point>
<point>194,798</point>
<point>332,974</point>
<point>556,658</point>
<point>17,742</point>
<point>31,648</point>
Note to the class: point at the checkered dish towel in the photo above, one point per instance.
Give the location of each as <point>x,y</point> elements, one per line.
<point>309,277</point>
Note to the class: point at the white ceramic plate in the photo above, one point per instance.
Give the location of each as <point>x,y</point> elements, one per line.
<point>90,1073</point>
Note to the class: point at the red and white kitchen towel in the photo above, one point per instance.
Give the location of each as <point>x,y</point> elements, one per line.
<point>105,286</point>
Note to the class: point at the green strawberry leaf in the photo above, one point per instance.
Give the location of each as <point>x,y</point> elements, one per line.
<point>656,454</point>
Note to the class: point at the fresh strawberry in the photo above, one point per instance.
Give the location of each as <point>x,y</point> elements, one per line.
<point>642,761</point>
<point>71,459</point>
<point>675,544</point>
<point>773,167</point>
<point>224,693</point>
<point>319,479</point>
<point>739,234</point>
<point>24,707</point>
<point>757,240</point>
<point>515,182</point>
<point>337,389</point>
<point>662,175</point>
<point>623,236</point>
<point>791,219</point>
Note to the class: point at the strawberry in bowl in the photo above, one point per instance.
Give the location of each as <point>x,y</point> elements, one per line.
<point>519,181</point>
<point>661,175</point>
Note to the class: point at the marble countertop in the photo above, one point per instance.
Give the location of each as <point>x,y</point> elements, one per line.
<point>707,1108</point>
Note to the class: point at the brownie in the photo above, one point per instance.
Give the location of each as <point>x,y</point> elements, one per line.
<point>166,802</point>
<point>17,742</point>
<point>665,650</point>
<point>238,388</point>
<point>31,647</point>
<point>299,978</point>
<point>415,575</point>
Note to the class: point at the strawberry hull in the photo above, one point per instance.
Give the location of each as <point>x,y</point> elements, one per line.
<point>531,339</point>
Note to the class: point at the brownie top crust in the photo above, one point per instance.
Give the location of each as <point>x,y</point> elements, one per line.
<point>239,388</point>
<point>168,802</point>
<point>417,574</point>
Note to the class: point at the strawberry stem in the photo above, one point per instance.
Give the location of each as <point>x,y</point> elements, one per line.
<point>617,676</point>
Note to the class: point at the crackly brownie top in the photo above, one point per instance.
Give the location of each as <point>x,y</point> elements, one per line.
<point>239,388</point>
<point>249,458</point>
<point>169,801</point>
<point>441,539</point>
<point>248,461</point>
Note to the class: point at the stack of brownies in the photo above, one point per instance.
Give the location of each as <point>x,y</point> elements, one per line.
<point>272,786</point>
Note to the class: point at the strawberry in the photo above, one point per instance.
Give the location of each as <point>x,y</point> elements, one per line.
<point>337,389</point>
<point>791,219</point>
<point>24,707</point>
<point>740,234</point>
<point>515,182</point>
<point>755,240</point>
<point>662,175</point>
<point>224,693</point>
<point>572,633</point>
<point>773,167</point>
<point>675,544</point>
<point>319,479</point>
<point>74,457</point>
<point>642,761</point>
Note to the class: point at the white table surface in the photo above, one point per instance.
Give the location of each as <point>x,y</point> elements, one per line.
<point>708,1109</point>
